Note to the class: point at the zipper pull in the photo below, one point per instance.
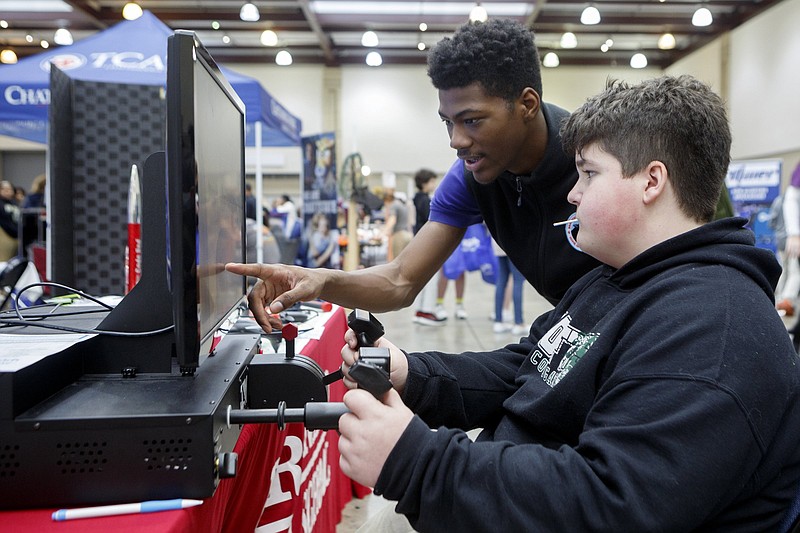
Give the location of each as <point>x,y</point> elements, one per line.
<point>519,191</point>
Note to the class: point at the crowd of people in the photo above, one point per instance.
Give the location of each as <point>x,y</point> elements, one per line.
<point>14,223</point>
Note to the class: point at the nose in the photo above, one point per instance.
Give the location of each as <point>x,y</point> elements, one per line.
<point>574,195</point>
<point>458,138</point>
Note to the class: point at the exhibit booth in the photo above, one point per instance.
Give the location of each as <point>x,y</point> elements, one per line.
<point>121,71</point>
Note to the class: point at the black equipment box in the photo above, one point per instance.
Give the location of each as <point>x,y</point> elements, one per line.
<point>68,438</point>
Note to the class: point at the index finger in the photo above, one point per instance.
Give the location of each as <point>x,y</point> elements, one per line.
<point>256,270</point>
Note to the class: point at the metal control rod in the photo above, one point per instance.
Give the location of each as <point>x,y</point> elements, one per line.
<point>315,415</point>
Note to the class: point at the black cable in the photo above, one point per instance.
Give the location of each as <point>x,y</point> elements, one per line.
<point>36,321</point>
<point>31,324</point>
<point>60,286</point>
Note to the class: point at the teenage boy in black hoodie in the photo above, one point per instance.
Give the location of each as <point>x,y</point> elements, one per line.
<point>661,393</point>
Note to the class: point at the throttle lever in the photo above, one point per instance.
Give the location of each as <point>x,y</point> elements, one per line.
<point>371,370</point>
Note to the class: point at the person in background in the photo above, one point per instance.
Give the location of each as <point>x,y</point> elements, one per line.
<point>285,209</point>
<point>461,284</point>
<point>425,182</point>
<point>9,221</point>
<point>791,220</point>
<point>511,173</point>
<point>506,268</point>
<point>638,394</point>
<point>397,227</point>
<point>249,202</point>
<point>322,244</point>
<point>19,195</point>
<point>36,198</point>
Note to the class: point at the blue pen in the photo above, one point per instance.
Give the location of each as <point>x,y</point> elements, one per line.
<point>124,508</point>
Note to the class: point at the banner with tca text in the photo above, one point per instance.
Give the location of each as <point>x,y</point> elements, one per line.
<point>753,185</point>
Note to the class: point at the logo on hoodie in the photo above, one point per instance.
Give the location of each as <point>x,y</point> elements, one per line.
<point>558,351</point>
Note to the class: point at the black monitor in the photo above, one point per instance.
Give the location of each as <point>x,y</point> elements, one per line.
<point>205,196</point>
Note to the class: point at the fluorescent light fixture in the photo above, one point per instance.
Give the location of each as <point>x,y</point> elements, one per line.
<point>702,17</point>
<point>342,7</point>
<point>131,11</point>
<point>8,57</point>
<point>269,38</point>
<point>283,58</point>
<point>568,40</point>
<point>63,37</point>
<point>374,59</point>
<point>36,5</point>
<point>551,60</point>
<point>638,60</point>
<point>249,12</point>
<point>369,39</point>
<point>478,14</point>
<point>666,41</point>
<point>590,16</point>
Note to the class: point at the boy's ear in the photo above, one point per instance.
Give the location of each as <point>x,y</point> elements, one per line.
<point>657,178</point>
<point>531,101</point>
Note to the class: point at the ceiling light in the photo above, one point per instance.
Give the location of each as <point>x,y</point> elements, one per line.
<point>215,25</point>
<point>269,38</point>
<point>283,58</point>
<point>568,40</point>
<point>44,44</point>
<point>478,14</point>
<point>417,9</point>
<point>226,39</point>
<point>666,41</point>
<point>29,38</point>
<point>249,12</point>
<point>8,57</point>
<point>369,39</point>
<point>420,46</point>
<point>3,24</point>
<point>609,42</point>
<point>702,17</point>
<point>551,60</point>
<point>590,16</point>
<point>638,60</point>
<point>131,11</point>
<point>374,59</point>
<point>365,170</point>
<point>63,37</point>
<point>604,47</point>
<point>423,26</point>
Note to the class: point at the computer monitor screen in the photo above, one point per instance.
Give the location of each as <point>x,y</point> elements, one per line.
<point>205,190</point>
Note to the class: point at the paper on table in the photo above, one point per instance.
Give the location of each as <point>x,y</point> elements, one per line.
<point>20,351</point>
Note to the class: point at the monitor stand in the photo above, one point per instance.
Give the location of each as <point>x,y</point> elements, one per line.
<point>148,306</point>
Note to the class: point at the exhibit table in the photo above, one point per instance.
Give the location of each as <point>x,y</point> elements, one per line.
<point>286,480</point>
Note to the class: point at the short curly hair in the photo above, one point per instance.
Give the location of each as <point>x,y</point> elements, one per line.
<point>500,54</point>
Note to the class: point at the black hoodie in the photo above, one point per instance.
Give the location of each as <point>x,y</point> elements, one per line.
<point>662,396</point>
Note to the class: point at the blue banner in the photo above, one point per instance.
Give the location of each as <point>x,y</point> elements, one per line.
<point>753,185</point>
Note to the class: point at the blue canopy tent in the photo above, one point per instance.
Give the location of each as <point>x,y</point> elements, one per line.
<point>131,52</point>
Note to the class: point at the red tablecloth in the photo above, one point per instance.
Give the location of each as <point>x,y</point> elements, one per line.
<point>285,480</point>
